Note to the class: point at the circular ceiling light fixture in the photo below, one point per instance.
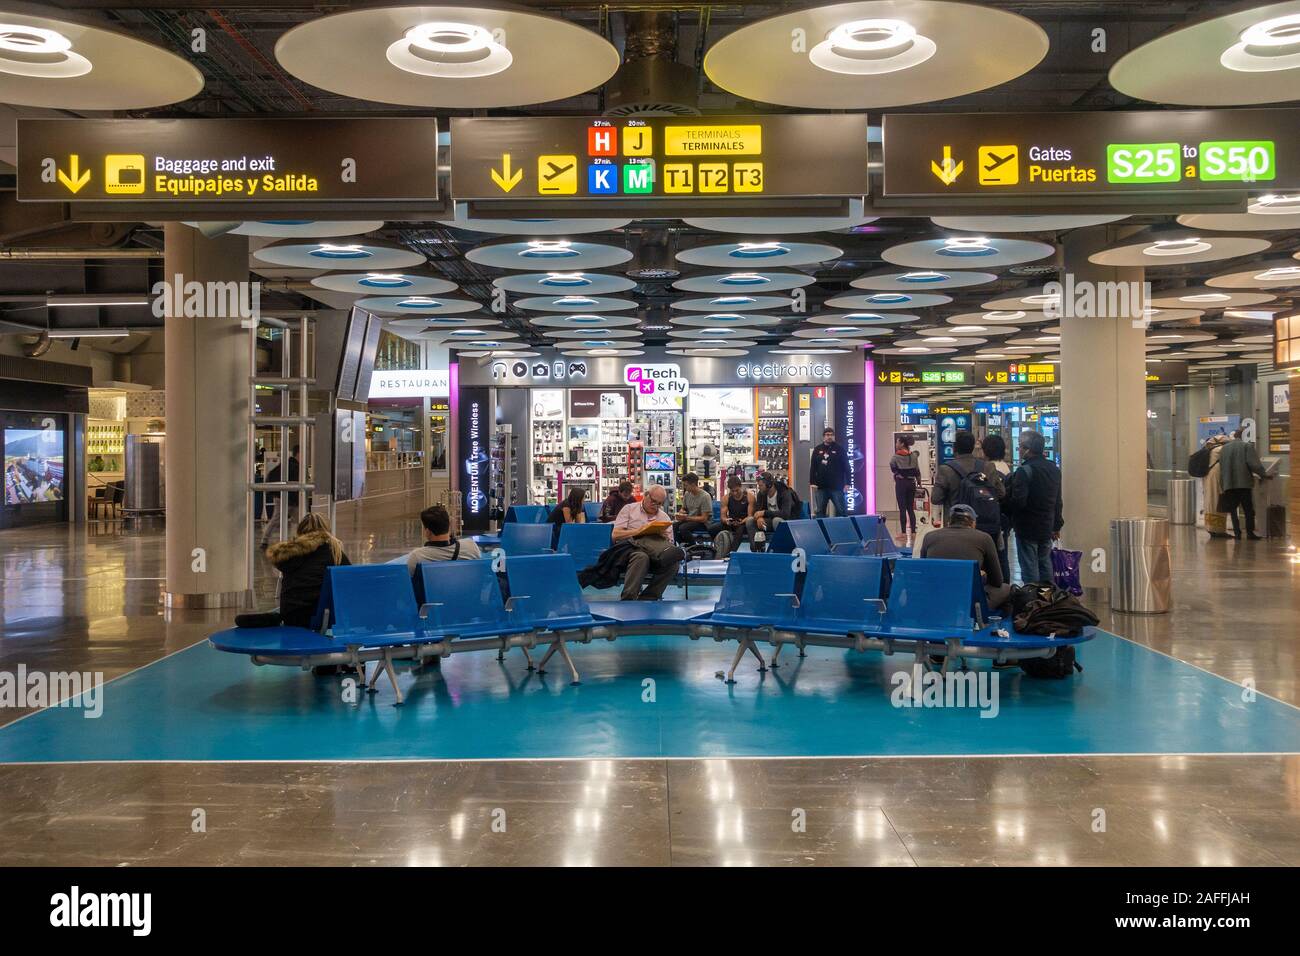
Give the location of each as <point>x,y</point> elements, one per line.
<point>724,320</point>
<point>1274,205</point>
<point>575,303</point>
<point>550,283</point>
<point>39,52</point>
<point>875,53</point>
<point>1244,57</point>
<point>416,305</point>
<point>371,283</point>
<point>1176,247</point>
<point>966,246</point>
<point>374,256</point>
<point>1020,223</point>
<point>585,320</point>
<point>447,55</point>
<point>733,303</point>
<point>920,279</point>
<point>63,63</point>
<point>931,254</point>
<point>786,253</point>
<point>1266,46</point>
<point>288,228</point>
<point>886,301</point>
<point>449,50</point>
<point>556,255</point>
<point>871,47</point>
<point>744,281</point>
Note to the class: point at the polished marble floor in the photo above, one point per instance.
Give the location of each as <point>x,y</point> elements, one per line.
<point>90,599</point>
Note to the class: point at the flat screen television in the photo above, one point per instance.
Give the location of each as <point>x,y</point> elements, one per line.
<point>661,461</point>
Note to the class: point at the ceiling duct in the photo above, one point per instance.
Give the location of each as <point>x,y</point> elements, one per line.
<point>651,82</point>
<point>654,257</point>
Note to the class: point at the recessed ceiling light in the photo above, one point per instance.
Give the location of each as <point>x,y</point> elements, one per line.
<point>575,300</point>
<point>914,348</point>
<point>923,277</point>
<point>744,278</point>
<point>1204,297</point>
<point>725,317</point>
<point>969,328</point>
<point>889,298</point>
<point>548,249</point>
<point>1176,247</point>
<point>872,47</point>
<point>585,319</point>
<point>456,51</point>
<point>328,250</point>
<point>1274,205</point>
<point>1004,316</point>
<point>758,250</point>
<point>966,246</point>
<point>940,339</point>
<point>1042,298</point>
<point>381,281</point>
<point>1266,47</point>
<point>732,300</point>
<point>419,302</point>
<point>1279,273</point>
<point>36,51</point>
<point>568,279</point>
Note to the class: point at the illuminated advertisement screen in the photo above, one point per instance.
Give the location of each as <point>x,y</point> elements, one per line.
<point>660,461</point>
<point>34,467</point>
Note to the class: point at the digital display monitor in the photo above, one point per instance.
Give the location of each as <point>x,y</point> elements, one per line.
<point>33,465</point>
<point>661,461</point>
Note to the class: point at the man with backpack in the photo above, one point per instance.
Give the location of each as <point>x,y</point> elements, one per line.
<point>1035,505</point>
<point>967,480</point>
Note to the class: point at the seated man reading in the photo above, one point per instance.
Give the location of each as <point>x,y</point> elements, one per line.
<point>650,531</point>
<point>960,540</point>
<point>439,545</point>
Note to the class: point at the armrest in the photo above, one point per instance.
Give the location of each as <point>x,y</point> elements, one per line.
<point>514,598</point>
<point>794,598</point>
<point>427,606</point>
<point>881,606</point>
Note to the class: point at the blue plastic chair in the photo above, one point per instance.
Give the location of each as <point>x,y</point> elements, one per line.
<point>592,510</point>
<point>804,510</point>
<point>758,591</point>
<point>527,514</point>
<point>842,595</point>
<point>585,542</point>
<point>374,605</point>
<point>523,539</point>
<point>545,590</point>
<point>842,535</point>
<point>545,594</point>
<point>717,510</point>
<point>875,535</point>
<point>933,599</point>
<point>803,533</point>
<point>463,599</point>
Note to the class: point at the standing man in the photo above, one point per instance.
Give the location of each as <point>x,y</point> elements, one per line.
<point>1238,464</point>
<point>650,530</point>
<point>952,473</point>
<point>280,499</point>
<point>829,474</point>
<point>1035,506</point>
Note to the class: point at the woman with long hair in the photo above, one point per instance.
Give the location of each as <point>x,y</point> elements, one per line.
<point>303,562</point>
<point>570,510</point>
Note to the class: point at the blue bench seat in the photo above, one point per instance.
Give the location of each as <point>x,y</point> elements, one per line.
<point>651,613</point>
<point>284,641</point>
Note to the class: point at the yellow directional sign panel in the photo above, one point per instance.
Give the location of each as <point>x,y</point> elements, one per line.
<point>713,139</point>
<point>504,177</point>
<point>948,170</point>
<point>999,165</point>
<point>75,177</point>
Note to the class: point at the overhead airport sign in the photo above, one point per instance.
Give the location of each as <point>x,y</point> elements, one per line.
<point>1015,373</point>
<point>702,157</point>
<point>1047,154</point>
<point>228,161</point>
<point>923,375</point>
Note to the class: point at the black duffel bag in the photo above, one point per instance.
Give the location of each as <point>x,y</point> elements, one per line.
<point>1051,611</point>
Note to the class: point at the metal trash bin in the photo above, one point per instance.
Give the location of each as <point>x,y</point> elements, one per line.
<point>1182,501</point>
<point>1139,566</point>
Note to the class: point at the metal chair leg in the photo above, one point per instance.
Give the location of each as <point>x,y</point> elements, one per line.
<point>392,678</point>
<point>541,667</point>
<point>735,661</point>
<point>775,654</point>
<point>528,657</point>
<point>564,652</point>
<point>762,665</point>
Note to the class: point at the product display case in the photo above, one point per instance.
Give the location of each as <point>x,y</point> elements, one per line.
<point>547,455</point>
<point>704,447</point>
<point>774,445</point>
<point>614,458</point>
<point>504,471</point>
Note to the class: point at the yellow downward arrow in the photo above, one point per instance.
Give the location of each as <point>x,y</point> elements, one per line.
<point>949,171</point>
<point>504,179</point>
<point>74,179</point>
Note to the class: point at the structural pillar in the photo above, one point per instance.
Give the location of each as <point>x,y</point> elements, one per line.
<point>208,366</point>
<point>1103,402</point>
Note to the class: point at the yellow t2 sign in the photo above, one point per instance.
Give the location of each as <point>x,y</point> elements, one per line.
<point>1143,163</point>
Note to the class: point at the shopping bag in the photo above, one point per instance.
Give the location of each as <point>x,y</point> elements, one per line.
<point>1216,522</point>
<point>1065,570</point>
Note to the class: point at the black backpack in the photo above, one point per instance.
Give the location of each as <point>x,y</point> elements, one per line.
<point>976,490</point>
<point>1198,465</point>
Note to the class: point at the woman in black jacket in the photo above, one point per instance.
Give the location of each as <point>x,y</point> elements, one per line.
<point>303,563</point>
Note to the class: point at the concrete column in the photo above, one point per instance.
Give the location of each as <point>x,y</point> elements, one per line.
<point>207,466</point>
<point>1293,482</point>
<point>1103,405</point>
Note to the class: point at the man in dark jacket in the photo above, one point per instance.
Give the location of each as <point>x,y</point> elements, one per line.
<point>1035,506</point>
<point>947,480</point>
<point>772,505</point>
<point>828,473</point>
<point>1239,465</point>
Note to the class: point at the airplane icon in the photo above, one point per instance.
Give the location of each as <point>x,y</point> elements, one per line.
<point>557,175</point>
<point>999,165</point>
